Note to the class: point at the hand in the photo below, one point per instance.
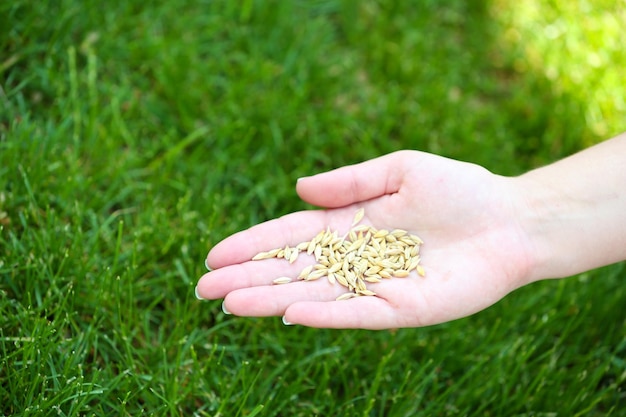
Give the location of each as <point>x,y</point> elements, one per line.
<point>474,251</point>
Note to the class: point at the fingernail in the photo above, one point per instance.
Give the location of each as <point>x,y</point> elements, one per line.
<point>197,295</point>
<point>286,323</point>
<point>224,309</point>
<point>206,264</point>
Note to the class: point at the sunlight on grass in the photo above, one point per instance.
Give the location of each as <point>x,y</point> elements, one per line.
<point>578,46</point>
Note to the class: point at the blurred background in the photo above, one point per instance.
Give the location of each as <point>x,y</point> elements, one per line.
<point>134,135</point>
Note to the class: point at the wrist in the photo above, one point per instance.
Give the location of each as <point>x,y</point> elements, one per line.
<point>573,214</point>
<point>540,213</point>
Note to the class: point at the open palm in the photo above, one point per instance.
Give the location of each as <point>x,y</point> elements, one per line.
<point>475,251</point>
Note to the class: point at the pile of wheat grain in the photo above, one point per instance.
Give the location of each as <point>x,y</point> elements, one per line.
<point>364,254</point>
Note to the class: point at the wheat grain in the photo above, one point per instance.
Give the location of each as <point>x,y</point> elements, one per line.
<point>261,255</point>
<point>305,272</point>
<point>363,255</point>
<point>400,273</point>
<point>346,296</point>
<point>358,216</point>
<point>294,255</point>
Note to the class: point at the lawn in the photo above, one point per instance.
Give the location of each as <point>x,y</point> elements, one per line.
<point>136,135</point>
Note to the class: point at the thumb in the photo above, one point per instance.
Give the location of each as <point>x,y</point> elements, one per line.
<point>354,183</point>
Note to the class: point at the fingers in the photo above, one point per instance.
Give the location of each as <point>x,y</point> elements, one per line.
<point>354,183</point>
<point>313,304</point>
<point>288,230</point>
<point>373,313</point>
<point>218,283</point>
<point>247,290</point>
<point>291,230</point>
<point>273,300</point>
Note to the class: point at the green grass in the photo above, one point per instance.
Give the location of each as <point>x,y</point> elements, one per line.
<point>134,136</point>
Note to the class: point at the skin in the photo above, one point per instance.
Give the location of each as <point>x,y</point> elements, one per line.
<point>485,235</point>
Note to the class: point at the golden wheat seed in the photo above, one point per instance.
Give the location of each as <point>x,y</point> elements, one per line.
<point>400,273</point>
<point>282,280</point>
<point>416,239</point>
<point>358,216</point>
<point>287,252</point>
<point>390,238</point>
<point>310,247</point>
<point>351,278</point>
<point>316,274</point>
<point>326,239</point>
<point>360,284</point>
<point>346,296</point>
<point>266,255</point>
<point>355,245</point>
<point>345,267</point>
<point>336,244</point>
<point>407,263</point>
<point>380,233</point>
<point>340,279</point>
<point>384,273</point>
<point>398,233</point>
<point>318,237</point>
<point>261,255</point>
<point>361,228</point>
<point>387,264</point>
<point>394,251</point>
<point>360,266</point>
<point>317,252</point>
<point>361,249</point>
<point>305,272</point>
<point>414,263</point>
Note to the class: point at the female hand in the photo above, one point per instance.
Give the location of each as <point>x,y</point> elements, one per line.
<point>474,253</point>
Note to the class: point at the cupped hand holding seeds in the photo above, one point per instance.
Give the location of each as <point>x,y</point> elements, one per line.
<point>473,254</point>
<point>484,236</point>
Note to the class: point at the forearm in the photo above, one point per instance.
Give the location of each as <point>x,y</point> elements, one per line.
<point>575,211</point>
